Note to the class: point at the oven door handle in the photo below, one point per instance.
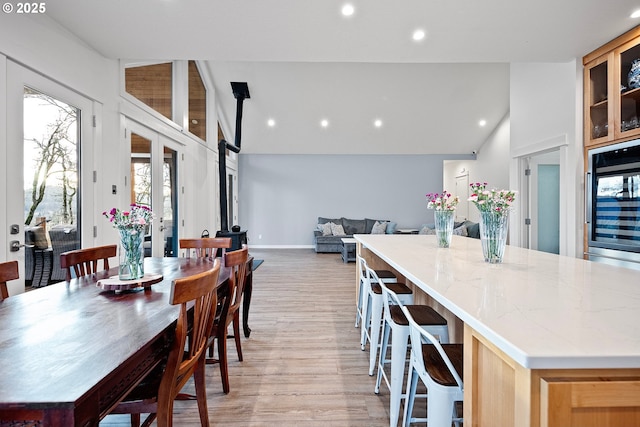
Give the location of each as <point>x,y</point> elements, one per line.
<point>588,198</point>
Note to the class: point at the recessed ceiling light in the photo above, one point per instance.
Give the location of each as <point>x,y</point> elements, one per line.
<point>482,122</point>
<point>636,14</point>
<point>377,123</point>
<point>348,10</point>
<point>271,123</point>
<point>324,123</point>
<point>418,35</point>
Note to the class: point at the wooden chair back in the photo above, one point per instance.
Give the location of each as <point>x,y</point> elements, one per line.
<point>201,290</point>
<point>205,247</point>
<point>197,297</point>
<point>237,262</point>
<point>85,261</point>
<point>8,271</point>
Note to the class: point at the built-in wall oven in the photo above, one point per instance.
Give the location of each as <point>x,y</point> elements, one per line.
<point>613,204</point>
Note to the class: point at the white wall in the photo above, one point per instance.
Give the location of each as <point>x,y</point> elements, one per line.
<point>546,113</point>
<point>283,195</point>
<point>491,165</point>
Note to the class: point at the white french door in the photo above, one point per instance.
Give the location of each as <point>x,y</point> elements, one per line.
<point>48,163</point>
<point>153,181</point>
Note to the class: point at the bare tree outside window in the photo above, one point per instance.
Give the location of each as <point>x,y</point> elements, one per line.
<point>50,142</point>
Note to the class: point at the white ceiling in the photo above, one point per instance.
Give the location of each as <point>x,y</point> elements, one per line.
<point>303,61</point>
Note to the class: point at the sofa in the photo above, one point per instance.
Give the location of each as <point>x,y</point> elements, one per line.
<point>329,232</point>
<point>464,228</point>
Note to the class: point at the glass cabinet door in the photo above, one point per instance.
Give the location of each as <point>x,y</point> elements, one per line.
<point>628,109</point>
<point>598,114</point>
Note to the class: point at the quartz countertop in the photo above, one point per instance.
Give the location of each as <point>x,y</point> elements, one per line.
<point>543,310</point>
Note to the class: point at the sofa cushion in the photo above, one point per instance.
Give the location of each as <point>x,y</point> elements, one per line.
<point>427,230</point>
<point>460,231</point>
<point>336,229</point>
<point>473,229</point>
<point>353,226</point>
<point>369,224</point>
<point>322,220</point>
<point>325,228</point>
<point>391,227</point>
<point>40,237</point>
<point>379,227</point>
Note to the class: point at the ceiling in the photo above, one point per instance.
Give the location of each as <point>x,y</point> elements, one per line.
<point>304,62</point>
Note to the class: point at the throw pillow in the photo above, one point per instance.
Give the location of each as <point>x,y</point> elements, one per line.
<point>460,231</point>
<point>391,227</point>
<point>40,238</point>
<point>337,230</point>
<point>427,230</point>
<point>325,228</point>
<point>379,228</point>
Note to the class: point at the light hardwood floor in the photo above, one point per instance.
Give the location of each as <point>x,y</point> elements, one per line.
<point>302,363</point>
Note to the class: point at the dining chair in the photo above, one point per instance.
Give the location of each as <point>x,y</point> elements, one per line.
<point>85,261</point>
<point>8,271</point>
<point>156,393</point>
<point>440,367</point>
<point>230,313</point>
<point>205,247</point>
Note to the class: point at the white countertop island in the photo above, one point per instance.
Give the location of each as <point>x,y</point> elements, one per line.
<point>542,311</point>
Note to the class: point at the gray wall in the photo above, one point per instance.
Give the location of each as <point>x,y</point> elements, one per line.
<point>281,196</point>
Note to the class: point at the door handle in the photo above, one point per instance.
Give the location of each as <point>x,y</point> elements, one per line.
<point>15,245</point>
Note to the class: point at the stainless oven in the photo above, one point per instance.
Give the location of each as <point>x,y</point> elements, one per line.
<point>613,204</point>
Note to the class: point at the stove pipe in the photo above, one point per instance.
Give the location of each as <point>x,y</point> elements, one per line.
<point>240,92</point>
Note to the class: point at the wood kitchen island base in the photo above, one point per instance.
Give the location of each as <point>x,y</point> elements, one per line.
<point>500,392</point>
<point>549,341</point>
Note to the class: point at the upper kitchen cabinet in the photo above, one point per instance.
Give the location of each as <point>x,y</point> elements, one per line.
<point>612,91</point>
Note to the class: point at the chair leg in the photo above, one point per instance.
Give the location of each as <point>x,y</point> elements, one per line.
<point>376,326</point>
<point>366,320</point>
<point>359,304</point>
<point>412,386</point>
<point>398,358</point>
<point>384,344</point>
<point>222,358</point>
<point>201,391</point>
<point>236,334</point>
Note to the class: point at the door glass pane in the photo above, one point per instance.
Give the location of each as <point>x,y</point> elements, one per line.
<point>169,203</point>
<point>51,184</point>
<point>197,103</point>
<point>141,178</point>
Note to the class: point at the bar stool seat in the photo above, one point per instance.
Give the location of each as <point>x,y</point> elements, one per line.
<point>396,326</point>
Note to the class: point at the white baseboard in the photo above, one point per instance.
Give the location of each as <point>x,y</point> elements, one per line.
<point>281,246</point>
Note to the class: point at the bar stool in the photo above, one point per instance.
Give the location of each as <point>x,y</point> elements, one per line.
<point>362,302</point>
<point>372,322</point>
<point>396,324</point>
<point>440,367</point>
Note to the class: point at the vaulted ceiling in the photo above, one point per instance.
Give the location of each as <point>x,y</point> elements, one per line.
<point>304,62</point>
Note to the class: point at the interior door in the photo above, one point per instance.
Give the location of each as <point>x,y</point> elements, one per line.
<point>153,182</point>
<point>462,191</point>
<point>49,161</point>
<point>544,202</point>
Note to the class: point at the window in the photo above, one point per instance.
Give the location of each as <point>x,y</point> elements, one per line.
<point>197,103</point>
<point>152,84</point>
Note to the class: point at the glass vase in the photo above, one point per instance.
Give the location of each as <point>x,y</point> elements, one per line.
<point>131,254</point>
<point>494,227</point>
<point>444,227</point>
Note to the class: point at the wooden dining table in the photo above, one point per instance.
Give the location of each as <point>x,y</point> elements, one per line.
<point>71,351</point>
